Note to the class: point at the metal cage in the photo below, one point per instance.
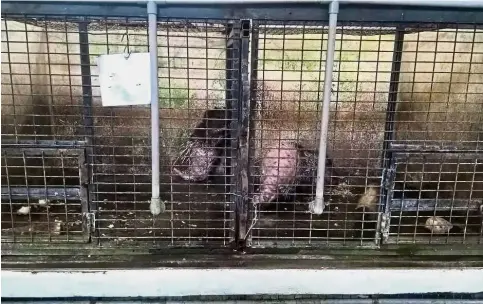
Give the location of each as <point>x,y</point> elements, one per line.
<point>238,84</point>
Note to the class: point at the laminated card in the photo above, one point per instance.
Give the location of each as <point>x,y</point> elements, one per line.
<point>124,79</point>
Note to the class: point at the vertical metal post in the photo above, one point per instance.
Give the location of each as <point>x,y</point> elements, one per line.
<point>232,95</point>
<point>389,129</point>
<point>156,206</point>
<point>88,203</point>
<point>253,107</point>
<point>318,206</point>
<point>241,173</point>
<point>389,135</point>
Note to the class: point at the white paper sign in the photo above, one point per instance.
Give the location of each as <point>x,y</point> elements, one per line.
<point>124,79</point>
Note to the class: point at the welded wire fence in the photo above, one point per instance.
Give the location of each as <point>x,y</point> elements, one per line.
<point>240,108</point>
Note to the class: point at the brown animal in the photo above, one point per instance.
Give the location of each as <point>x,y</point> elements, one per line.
<point>204,149</point>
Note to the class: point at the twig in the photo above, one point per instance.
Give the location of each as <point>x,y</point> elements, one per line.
<point>254,220</point>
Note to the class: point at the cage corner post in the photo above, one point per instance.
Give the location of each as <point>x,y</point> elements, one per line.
<point>242,129</point>
<point>318,205</point>
<point>388,161</point>
<point>86,162</point>
<point>156,206</point>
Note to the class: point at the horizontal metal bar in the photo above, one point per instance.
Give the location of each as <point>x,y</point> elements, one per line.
<point>268,242</point>
<point>22,193</point>
<point>431,205</point>
<point>55,144</point>
<point>421,3</point>
<point>260,298</point>
<point>424,148</point>
<point>350,13</point>
<point>40,151</point>
<point>435,240</point>
<point>228,281</point>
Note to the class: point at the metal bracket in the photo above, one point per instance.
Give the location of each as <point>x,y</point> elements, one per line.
<point>385,223</point>
<point>89,221</point>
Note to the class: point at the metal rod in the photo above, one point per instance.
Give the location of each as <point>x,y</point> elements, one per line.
<point>54,144</point>
<point>420,3</point>
<point>427,148</point>
<point>413,205</point>
<point>22,193</point>
<point>156,206</point>
<point>317,206</point>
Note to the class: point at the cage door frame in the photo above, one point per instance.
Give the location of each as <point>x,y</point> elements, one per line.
<point>401,153</point>
<point>52,148</point>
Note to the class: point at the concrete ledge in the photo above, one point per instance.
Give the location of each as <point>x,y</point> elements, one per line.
<point>169,282</point>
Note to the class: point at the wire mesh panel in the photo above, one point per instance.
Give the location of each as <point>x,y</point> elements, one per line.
<point>437,171</point>
<point>40,202</point>
<point>60,100</point>
<point>371,117</point>
<point>43,163</point>
<point>437,204</point>
<point>195,128</point>
<point>290,67</point>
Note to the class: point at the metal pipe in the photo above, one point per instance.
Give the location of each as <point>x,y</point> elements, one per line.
<point>432,3</point>
<point>156,206</point>
<point>317,206</point>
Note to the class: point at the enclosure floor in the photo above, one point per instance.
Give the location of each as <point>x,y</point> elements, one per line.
<point>202,214</point>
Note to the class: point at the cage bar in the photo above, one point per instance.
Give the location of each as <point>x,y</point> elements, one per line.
<point>319,205</point>
<point>157,206</point>
<point>20,193</point>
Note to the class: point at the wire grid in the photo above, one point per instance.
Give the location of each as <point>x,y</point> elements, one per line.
<point>440,203</point>
<point>447,76</point>
<point>37,203</point>
<point>122,162</point>
<point>440,111</point>
<point>290,84</point>
<point>36,68</point>
<point>290,73</point>
<point>41,199</point>
<point>191,80</point>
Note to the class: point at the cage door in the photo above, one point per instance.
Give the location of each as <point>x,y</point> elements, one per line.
<point>44,193</point>
<point>434,197</point>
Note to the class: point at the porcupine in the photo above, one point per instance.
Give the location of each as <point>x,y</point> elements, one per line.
<point>289,169</point>
<point>204,147</point>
